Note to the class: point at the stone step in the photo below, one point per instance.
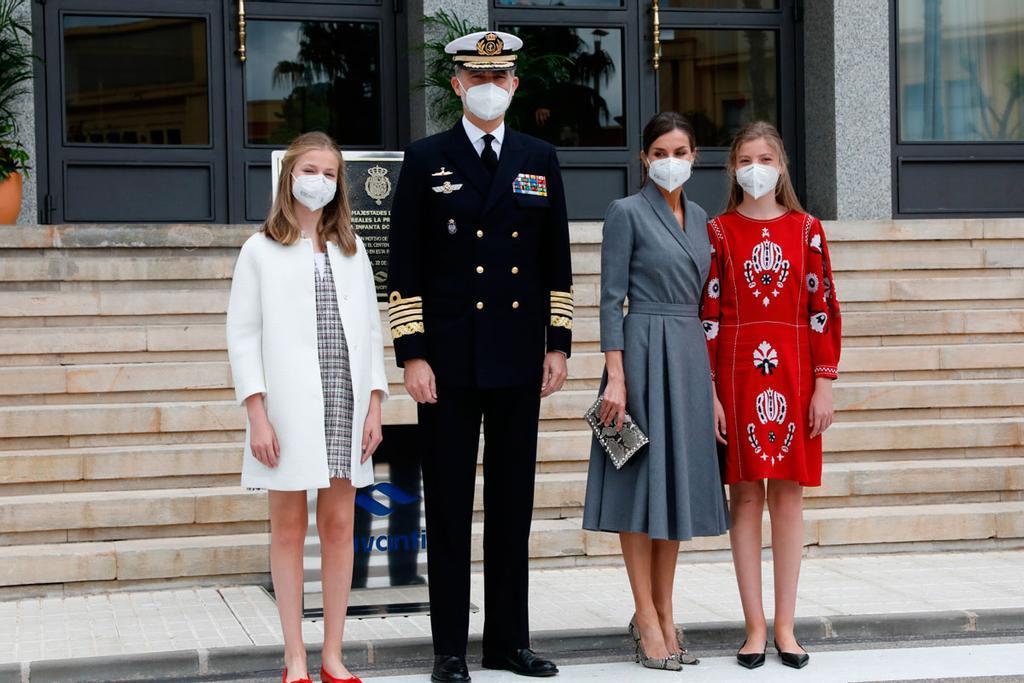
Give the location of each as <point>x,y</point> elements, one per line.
<point>246,554</point>
<point>199,416</point>
<point>119,464</point>
<point>188,301</point>
<point>890,326</point>
<point>554,490</point>
<point>29,380</point>
<point>206,236</point>
<point>155,265</point>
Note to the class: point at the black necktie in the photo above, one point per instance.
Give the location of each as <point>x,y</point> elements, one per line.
<point>489,156</point>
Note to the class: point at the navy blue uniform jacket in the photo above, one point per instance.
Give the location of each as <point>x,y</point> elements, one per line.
<point>479,274</point>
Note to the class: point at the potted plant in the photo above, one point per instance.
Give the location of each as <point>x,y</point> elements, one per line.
<point>15,72</point>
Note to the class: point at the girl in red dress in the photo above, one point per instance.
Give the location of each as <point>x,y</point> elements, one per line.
<point>772,323</point>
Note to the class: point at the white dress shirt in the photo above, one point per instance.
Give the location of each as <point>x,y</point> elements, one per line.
<point>476,136</point>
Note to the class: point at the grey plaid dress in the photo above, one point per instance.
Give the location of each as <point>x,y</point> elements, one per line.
<point>335,375</point>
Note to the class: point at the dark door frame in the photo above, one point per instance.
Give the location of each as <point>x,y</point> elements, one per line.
<point>48,23</point>
<point>220,155</point>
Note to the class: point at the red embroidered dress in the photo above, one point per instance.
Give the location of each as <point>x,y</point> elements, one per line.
<point>772,322</point>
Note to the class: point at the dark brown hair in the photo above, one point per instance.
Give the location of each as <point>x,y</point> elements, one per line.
<point>336,220</point>
<point>784,192</point>
<point>666,122</point>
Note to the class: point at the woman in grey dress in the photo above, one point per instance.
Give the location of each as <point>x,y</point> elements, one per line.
<point>656,252</point>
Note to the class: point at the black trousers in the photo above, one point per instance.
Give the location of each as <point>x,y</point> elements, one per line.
<point>451,432</point>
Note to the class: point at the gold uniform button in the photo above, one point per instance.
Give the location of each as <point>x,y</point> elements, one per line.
<point>479,233</point>
<point>515,270</point>
<point>515,304</point>
<point>479,305</point>
<point>515,234</point>
<point>479,269</point>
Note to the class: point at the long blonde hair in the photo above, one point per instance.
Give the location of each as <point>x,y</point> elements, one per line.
<point>335,222</point>
<point>761,130</point>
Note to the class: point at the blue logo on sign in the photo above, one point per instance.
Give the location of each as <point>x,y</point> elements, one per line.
<point>397,496</point>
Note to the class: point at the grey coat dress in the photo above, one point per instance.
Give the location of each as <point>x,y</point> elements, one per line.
<point>671,489</point>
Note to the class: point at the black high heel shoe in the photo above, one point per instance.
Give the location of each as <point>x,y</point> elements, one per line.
<point>751,660</point>
<point>797,660</point>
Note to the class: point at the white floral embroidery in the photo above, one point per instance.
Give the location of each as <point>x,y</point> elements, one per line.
<point>812,283</point>
<point>818,321</point>
<point>771,406</point>
<point>816,243</point>
<point>710,329</point>
<point>714,288</point>
<point>766,359</point>
<point>766,268</point>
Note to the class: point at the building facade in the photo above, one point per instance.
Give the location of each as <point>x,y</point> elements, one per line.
<point>167,111</point>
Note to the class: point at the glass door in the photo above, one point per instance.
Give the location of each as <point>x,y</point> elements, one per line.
<point>722,64</point>
<point>328,66</point>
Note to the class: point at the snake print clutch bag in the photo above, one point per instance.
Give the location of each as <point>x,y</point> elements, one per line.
<point>620,445</point>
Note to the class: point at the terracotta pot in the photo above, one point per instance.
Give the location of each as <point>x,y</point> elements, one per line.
<point>10,199</point>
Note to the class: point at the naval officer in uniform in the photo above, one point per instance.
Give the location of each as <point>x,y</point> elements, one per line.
<point>480,306</point>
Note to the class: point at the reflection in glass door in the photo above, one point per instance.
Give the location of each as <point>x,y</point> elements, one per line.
<point>309,66</point>
<point>722,64</point>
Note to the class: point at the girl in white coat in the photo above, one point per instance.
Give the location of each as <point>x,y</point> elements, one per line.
<point>307,356</point>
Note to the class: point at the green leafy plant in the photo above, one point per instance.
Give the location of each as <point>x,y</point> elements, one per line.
<point>534,69</point>
<point>16,62</point>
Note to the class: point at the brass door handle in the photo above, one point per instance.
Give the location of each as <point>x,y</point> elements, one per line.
<point>241,30</point>
<point>656,35</point>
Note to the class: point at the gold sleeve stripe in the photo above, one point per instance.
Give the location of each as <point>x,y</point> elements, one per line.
<point>561,321</point>
<point>400,320</point>
<point>403,330</point>
<point>562,295</point>
<point>395,299</point>
<point>395,310</point>
<point>564,306</point>
<point>405,315</point>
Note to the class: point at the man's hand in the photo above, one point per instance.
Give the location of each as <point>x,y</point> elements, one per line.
<point>419,381</point>
<point>555,372</point>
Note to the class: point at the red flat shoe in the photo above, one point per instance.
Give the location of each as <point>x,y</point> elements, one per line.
<point>284,678</point>
<point>328,678</point>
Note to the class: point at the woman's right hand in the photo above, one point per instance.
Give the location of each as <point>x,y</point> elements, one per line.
<point>719,420</point>
<point>613,406</point>
<point>263,442</point>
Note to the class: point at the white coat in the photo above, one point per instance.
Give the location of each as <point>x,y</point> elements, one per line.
<point>272,345</point>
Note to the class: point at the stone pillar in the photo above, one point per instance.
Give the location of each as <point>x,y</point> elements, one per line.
<point>847,117</point>
<point>474,11</point>
<point>26,110</point>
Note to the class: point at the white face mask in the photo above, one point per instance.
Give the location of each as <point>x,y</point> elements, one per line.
<point>669,173</point>
<point>758,179</point>
<point>313,191</point>
<point>487,101</point>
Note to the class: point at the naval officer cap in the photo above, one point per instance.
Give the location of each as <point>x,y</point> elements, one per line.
<point>485,51</point>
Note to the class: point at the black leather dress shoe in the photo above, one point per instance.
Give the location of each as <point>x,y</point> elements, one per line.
<point>523,662</point>
<point>450,669</point>
<point>751,660</point>
<point>797,660</point>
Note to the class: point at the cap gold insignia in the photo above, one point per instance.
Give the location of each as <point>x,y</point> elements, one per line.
<point>490,45</point>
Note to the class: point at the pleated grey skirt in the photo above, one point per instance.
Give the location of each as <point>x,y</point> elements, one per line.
<point>672,488</point>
